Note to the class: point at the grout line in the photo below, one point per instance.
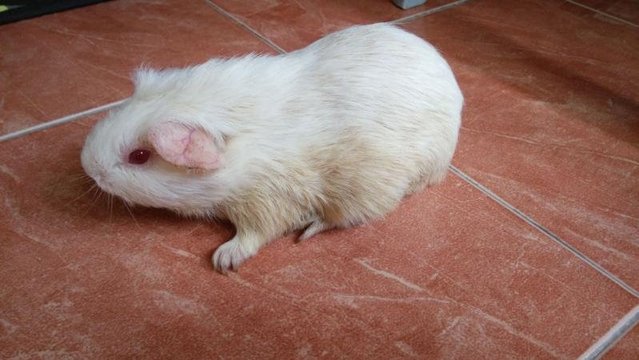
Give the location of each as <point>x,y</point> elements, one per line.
<point>60,121</point>
<point>609,339</point>
<point>544,230</point>
<point>427,12</point>
<point>220,10</point>
<point>105,107</point>
<point>241,23</point>
<point>455,170</point>
<point>603,13</point>
<point>605,340</point>
<point>280,50</point>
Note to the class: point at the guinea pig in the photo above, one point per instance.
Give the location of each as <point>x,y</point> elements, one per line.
<point>328,136</point>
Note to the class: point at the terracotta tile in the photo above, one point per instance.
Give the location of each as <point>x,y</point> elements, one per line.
<point>449,274</point>
<point>551,122</point>
<point>624,9</point>
<point>71,61</point>
<point>626,348</point>
<point>294,24</point>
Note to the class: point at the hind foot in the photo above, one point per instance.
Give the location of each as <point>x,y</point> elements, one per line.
<point>426,181</point>
<point>313,229</point>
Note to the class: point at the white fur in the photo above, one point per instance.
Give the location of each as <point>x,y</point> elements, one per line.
<point>332,135</point>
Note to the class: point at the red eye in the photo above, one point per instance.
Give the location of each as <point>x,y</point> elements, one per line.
<point>139,156</point>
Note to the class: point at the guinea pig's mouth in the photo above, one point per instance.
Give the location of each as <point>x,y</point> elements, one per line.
<point>104,184</point>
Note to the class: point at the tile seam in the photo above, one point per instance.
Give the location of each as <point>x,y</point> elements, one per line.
<point>455,170</point>
<point>244,25</point>
<point>612,337</point>
<point>280,50</point>
<point>78,115</point>
<point>59,121</point>
<point>603,13</point>
<point>551,235</point>
<point>98,109</point>
<point>424,13</point>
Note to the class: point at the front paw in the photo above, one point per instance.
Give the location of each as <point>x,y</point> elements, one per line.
<point>229,256</point>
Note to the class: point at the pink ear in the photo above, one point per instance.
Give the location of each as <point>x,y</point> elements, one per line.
<point>182,145</point>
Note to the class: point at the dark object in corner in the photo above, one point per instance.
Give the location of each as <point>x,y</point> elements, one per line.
<point>16,10</point>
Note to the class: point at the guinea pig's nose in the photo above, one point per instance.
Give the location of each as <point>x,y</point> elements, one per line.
<point>99,176</point>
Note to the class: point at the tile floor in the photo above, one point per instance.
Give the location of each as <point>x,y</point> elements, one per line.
<point>529,249</point>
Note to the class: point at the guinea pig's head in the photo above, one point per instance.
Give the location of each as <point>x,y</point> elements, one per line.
<point>147,155</point>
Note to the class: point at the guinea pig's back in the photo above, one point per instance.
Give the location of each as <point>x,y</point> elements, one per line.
<point>393,92</point>
<point>371,114</point>
<point>381,61</point>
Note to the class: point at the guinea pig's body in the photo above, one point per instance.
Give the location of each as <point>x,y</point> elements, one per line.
<point>331,135</point>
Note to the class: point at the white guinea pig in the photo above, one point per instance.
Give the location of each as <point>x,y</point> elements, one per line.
<point>329,136</point>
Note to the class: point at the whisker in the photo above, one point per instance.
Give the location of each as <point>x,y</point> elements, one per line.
<point>83,194</point>
<point>97,196</point>
<point>128,208</point>
<point>110,202</point>
<point>86,179</point>
<point>98,192</point>
<point>80,178</point>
